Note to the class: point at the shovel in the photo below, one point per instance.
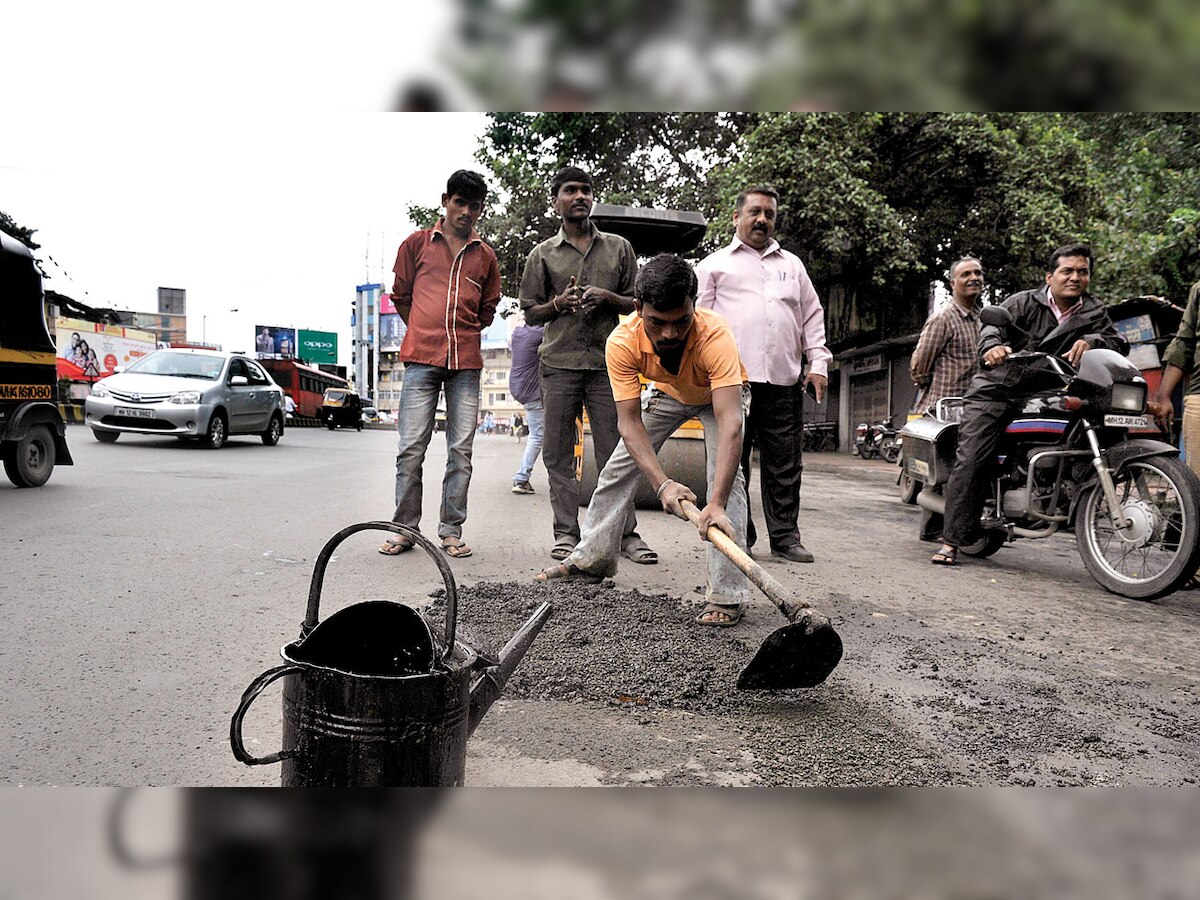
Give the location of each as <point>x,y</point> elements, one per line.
<point>800,654</point>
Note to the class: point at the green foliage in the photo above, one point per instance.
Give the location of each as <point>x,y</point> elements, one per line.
<point>639,159</point>
<point>25,235</point>
<point>423,216</point>
<point>879,204</point>
<point>1148,168</point>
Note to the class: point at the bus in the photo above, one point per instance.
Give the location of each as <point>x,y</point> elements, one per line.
<point>305,384</point>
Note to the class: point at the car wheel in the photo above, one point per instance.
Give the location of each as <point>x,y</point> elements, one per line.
<point>216,433</point>
<point>106,437</point>
<point>32,460</point>
<point>332,424</point>
<point>274,432</point>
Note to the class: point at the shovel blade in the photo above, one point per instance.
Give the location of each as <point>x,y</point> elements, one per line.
<point>798,655</point>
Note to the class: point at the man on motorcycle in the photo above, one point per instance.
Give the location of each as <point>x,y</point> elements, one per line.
<point>1060,318</point>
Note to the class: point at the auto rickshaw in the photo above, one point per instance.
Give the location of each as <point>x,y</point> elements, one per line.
<point>32,433</point>
<point>341,406</point>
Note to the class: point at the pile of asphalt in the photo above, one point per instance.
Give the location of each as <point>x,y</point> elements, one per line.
<point>619,647</point>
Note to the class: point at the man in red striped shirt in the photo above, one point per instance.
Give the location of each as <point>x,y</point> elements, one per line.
<point>446,290</point>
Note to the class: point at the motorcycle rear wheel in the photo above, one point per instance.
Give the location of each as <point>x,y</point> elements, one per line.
<point>909,487</point>
<point>1161,549</point>
<point>985,546</point>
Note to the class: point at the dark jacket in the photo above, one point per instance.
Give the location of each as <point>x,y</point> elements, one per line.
<point>1031,312</point>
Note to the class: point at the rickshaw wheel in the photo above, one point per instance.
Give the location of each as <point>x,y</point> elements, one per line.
<point>33,459</point>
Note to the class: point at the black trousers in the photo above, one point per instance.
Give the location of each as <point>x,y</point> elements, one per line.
<point>983,422</point>
<point>775,425</point>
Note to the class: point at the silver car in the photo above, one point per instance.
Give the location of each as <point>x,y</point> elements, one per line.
<point>189,394</point>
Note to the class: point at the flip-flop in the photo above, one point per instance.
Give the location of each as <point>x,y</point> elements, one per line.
<point>567,572</point>
<point>734,613</point>
<point>562,549</point>
<point>640,553</point>
<point>396,546</point>
<point>455,547</point>
<point>942,558</point>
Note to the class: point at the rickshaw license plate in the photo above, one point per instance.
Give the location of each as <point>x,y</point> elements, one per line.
<point>135,413</point>
<point>1126,421</point>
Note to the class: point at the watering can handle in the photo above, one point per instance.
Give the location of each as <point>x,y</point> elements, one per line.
<point>439,559</point>
<point>235,726</point>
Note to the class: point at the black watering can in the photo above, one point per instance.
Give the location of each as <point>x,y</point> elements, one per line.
<point>375,698</point>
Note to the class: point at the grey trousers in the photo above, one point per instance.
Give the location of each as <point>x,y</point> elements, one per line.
<point>599,547</point>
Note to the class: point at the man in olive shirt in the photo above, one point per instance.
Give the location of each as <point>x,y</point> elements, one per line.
<point>1180,362</point>
<point>576,284</point>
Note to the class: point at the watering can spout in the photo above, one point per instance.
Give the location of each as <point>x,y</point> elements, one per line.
<point>490,683</point>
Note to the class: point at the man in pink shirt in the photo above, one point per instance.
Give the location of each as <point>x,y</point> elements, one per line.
<point>765,294</point>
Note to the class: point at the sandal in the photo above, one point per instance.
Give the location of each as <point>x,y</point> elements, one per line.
<point>562,548</point>
<point>567,572</point>
<point>397,545</point>
<point>733,615</point>
<point>455,547</point>
<point>639,552</point>
<point>947,556</point>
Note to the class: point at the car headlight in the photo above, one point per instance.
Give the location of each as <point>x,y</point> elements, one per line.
<point>186,397</point>
<point>99,390</point>
<point>1129,397</point>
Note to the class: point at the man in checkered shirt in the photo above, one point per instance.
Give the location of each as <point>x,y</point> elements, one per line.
<point>947,354</point>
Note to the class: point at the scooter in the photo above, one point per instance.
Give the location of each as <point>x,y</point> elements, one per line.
<point>1067,461</point>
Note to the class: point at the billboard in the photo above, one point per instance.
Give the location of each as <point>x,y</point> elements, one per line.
<point>386,306</point>
<point>87,351</point>
<point>317,346</point>
<point>391,332</point>
<point>273,342</point>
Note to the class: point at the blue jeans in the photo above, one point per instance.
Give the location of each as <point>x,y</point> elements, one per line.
<point>414,421</point>
<point>535,416</point>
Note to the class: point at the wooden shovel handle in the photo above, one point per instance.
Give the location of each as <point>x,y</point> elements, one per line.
<point>788,603</point>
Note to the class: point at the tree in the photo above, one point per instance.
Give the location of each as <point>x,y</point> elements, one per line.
<point>639,159</point>
<point>1147,232</point>
<point>879,204</point>
<point>25,235</point>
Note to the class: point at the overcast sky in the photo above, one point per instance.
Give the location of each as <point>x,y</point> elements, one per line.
<point>277,215</point>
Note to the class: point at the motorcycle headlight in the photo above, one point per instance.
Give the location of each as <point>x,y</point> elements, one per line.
<point>99,390</point>
<point>1129,397</point>
<point>186,397</point>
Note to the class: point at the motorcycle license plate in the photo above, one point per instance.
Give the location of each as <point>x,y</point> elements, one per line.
<point>1126,421</point>
<point>135,413</point>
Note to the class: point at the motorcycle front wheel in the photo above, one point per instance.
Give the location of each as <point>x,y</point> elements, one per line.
<point>1159,549</point>
<point>890,450</point>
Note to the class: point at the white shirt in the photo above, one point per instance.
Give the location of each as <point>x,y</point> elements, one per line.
<point>772,307</point>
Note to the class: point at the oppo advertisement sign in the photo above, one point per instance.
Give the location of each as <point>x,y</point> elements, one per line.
<point>317,346</point>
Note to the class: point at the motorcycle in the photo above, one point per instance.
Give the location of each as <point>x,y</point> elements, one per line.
<point>1067,461</point>
<point>876,439</point>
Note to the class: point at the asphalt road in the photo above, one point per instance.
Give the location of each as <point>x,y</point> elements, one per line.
<point>146,586</point>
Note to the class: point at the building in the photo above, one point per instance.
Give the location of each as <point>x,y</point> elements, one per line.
<point>169,324</point>
<point>364,339</point>
<point>494,396</point>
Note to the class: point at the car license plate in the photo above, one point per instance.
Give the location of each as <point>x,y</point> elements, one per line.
<point>135,413</point>
<point>1126,421</point>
